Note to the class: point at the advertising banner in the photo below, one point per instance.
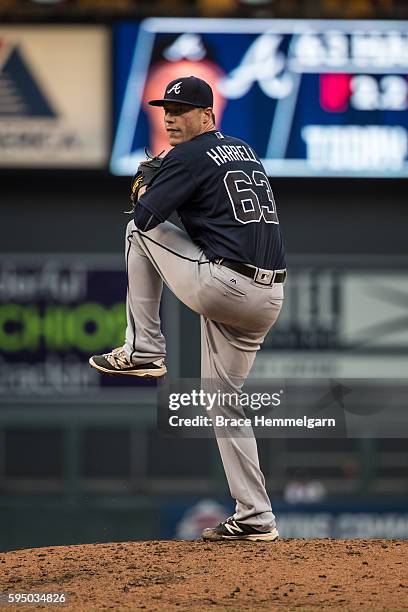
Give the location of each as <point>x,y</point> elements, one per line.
<point>54,98</point>
<point>186,518</point>
<point>55,312</point>
<point>313,98</point>
<point>342,317</point>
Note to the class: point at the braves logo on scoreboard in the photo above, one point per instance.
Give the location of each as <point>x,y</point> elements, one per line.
<point>315,98</point>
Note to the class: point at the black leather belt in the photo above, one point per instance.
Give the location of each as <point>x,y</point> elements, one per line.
<point>263,277</point>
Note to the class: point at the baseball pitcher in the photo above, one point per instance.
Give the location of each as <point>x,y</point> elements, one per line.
<point>228,266</point>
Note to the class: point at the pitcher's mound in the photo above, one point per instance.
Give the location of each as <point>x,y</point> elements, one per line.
<point>304,575</point>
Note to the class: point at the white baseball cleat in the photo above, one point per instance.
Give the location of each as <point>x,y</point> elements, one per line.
<point>234,530</point>
<point>117,362</point>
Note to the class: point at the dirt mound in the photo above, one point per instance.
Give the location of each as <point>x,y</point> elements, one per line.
<point>335,575</point>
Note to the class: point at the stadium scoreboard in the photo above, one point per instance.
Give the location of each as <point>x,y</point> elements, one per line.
<point>314,98</point>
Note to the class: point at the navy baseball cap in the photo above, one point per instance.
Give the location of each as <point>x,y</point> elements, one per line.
<point>187,90</point>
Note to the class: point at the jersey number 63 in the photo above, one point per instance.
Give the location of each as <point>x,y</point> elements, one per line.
<point>244,199</point>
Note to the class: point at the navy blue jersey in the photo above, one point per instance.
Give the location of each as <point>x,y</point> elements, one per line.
<point>220,190</point>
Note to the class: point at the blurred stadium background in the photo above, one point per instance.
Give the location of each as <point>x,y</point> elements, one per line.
<point>81,459</point>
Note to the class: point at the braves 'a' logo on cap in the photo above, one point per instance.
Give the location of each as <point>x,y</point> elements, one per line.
<point>175,88</point>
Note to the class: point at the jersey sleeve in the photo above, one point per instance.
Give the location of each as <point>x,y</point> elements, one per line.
<point>144,219</point>
<point>172,187</point>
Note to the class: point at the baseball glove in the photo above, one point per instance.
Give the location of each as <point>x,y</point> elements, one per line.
<point>145,173</point>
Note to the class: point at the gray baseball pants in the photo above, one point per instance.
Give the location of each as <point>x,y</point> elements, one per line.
<point>236,313</point>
